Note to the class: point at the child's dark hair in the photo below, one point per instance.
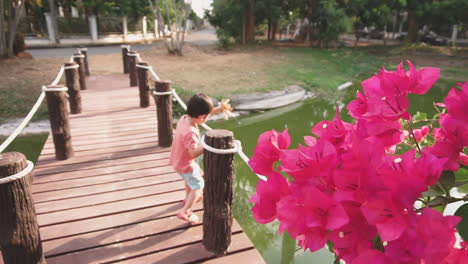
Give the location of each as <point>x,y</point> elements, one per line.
<point>199,104</point>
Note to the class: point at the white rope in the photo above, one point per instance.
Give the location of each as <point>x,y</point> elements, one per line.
<point>86,49</point>
<point>172,91</point>
<point>79,56</point>
<point>59,76</point>
<point>139,57</point>
<point>54,89</point>
<point>220,151</point>
<point>156,77</point>
<point>176,96</point>
<point>237,149</point>
<point>23,123</point>
<point>132,54</point>
<point>125,47</point>
<point>76,66</point>
<point>20,174</point>
<point>71,59</point>
<point>143,66</point>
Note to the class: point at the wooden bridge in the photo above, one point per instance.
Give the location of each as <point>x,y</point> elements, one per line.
<point>116,200</point>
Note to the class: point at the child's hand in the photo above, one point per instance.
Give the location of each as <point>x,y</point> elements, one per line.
<point>225,108</point>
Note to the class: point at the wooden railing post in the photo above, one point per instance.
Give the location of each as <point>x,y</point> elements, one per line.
<point>78,58</point>
<point>84,51</point>
<point>132,67</point>
<point>73,84</point>
<point>217,201</point>
<point>125,49</point>
<point>20,240</point>
<point>164,113</point>
<point>57,106</point>
<point>143,84</point>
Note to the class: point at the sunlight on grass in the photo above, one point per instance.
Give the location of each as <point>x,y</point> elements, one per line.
<point>30,145</point>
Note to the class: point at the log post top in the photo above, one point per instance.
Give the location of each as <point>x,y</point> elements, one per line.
<point>10,158</point>
<point>54,88</point>
<point>219,133</point>
<point>71,65</point>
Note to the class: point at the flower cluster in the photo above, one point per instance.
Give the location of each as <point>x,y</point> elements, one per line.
<point>349,187</point>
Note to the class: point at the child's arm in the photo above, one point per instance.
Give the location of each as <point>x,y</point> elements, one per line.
<point>194,153</point>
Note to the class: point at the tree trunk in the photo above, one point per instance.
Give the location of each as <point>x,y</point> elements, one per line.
<point>412,26</point>
<point>53,17</point>
<point>310,18</point>
<point>3,46</point>
<point>20,239</point>
<point>274,30</point>
<point>244,25</point>
<point>269,30</point>
<point>15,12</point>
<point>251,21</point>
<point>217,202</point>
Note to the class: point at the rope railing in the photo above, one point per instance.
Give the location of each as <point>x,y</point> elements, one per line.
<point>33,110</point>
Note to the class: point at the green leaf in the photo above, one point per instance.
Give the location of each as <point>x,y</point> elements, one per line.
<point>419,116</point>
<point>460,183</point>
<point>447,180</point>
<point>433,191</point>
<point>462,227</point>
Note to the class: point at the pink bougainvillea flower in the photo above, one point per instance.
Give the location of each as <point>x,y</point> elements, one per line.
<point>463,159</point>
<point>457,255</point>
<point>387,214</point>
<point>353,238</point>
<point>335,131</point>
<point>402,179</point>
<point>304,163</point>
<point>269,147</point>
<point>421,133</point>
<point>428,240</point>
<point>358,107</point>
<point>310,212</point>
<point>268,194</point>
<point>422,80</point>
<point>457,101</point>
<point>372,256</point>
<point>313,239</point>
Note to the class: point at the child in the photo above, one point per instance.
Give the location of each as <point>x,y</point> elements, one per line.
<point>186,147</point>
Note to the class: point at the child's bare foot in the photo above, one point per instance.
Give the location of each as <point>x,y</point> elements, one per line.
<point>191,218</point>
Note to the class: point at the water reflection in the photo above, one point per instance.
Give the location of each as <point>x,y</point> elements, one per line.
<point>299,119</point>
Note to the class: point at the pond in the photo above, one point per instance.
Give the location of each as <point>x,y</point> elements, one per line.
<point>299,119</point>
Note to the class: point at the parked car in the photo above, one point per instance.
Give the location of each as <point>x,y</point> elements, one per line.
<point>433,39</point>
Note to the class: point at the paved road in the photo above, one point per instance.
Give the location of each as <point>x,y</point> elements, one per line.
<point>203,37</point>
<point>98,50</point>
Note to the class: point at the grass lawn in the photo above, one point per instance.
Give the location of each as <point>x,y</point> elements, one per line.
<point>29,145</point>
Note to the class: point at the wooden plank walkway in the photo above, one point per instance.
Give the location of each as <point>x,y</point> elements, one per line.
<point>116,200</point>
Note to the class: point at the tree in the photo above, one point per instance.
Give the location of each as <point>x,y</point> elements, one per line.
<point>9,20</point>
<point>53,18</point>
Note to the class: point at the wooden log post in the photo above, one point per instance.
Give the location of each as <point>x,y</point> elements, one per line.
<point>78,58</point>
<point>73,83</point>
<point>57,106</point>
<point>84,51</point>
<point>218,191</point>
<point>20,239</point>
<point>125,49</point>
<point>164,112</point>
<point>143,84</point>
<point>132,58</point>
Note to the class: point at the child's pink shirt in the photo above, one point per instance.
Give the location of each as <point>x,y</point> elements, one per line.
<point>186,137</point>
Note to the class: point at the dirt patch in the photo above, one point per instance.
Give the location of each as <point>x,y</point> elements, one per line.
<point>200,69</point>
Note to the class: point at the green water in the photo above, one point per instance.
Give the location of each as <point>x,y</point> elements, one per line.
<point>299,119</point>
